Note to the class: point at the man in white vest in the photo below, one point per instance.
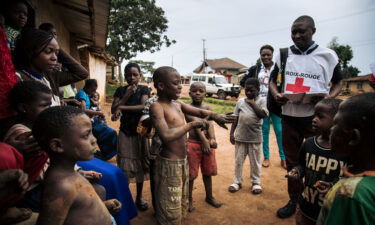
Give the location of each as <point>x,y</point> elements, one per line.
<point>309,69</point>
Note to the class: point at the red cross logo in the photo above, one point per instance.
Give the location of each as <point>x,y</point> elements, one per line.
<point>298,86</point>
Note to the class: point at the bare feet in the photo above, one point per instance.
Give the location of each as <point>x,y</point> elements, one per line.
<point>266,163</point>
<point>212,201</point>
<point>15,215</point>
<point>191,207</point>
<point>113,205</point>
<point>141,204</point>
<point>283,164</point>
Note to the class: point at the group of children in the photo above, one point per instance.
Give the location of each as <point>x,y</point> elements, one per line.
<point>44,143</point>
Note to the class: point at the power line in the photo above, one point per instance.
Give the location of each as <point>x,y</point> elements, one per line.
<point>286,28</point>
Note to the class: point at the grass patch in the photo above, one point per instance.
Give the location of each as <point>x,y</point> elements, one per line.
<point>218,106</point>
<point>110,89</point>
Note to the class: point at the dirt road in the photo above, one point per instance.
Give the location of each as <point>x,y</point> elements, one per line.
<point>241,207</point>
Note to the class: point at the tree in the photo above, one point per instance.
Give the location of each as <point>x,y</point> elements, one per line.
<point>345,54</point>
<point>135,26</point>
<point>146,66</point>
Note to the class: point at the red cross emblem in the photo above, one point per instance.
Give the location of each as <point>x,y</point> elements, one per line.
<point>298,86</point>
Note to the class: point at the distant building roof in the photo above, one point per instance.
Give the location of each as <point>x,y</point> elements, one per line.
<point>359,78</point>
<point>223,63</point>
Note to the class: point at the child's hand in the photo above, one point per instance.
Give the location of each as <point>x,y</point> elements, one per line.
<point>294,174</point>
<point>213,143</point>
<point>130,90</point>
<point>91,175</point>
<point>113,205</point>
<point>221,120</point>
<point>280,99</point>
<point>199,124</point>
<point>13,181</point>
<point>116,116</point>
<point>323,186</point>
<point>231,139</point>
<point>25,143</point>
<point>206,147</point>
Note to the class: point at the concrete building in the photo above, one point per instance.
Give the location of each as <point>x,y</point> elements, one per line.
<point>224,66</point>
<point>357,85</point>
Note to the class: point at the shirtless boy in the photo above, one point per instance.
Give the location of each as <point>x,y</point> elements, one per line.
<point>171,167</point>
<point>68,198</point>
<point>201,149</point>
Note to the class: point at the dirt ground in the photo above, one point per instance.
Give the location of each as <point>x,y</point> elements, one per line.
<point>241,207</point>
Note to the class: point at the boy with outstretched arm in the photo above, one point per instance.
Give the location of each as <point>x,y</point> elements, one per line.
<point>201,149</point>
<point>68,198</point>
<point>171,166</point>
<point>318,164</point>
<point>352,199</point>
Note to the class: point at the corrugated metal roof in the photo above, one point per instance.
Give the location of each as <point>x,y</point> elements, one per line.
<point>87,19</point>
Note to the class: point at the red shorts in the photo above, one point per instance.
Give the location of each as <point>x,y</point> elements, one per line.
<point>196,157</point>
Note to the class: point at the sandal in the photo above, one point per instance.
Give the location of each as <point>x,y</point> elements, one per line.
<point>234,187</point>
<point>266,163</point>
<point>142,205</point>
<point>256,189</point>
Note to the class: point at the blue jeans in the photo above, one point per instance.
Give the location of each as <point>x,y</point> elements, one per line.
<point>276,121</point>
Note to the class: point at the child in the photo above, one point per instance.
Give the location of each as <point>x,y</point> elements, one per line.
<point>351,200</point>
<point>129,101</point>
<point>320,166</point>
<point>95,105</point>
<point>246,134</point>
<point>201,149</point>
<point>68,198</point>
<point>29,99</point>
<point>171,167</point>
<point>105,135</point>
<point>16,16</point>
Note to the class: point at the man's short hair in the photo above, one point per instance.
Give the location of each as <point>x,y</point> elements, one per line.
<point>160,74</point>
<point>359,112</point>
<point>266,47</point>
<point>308,19</point>
<point>198,83</point>
<point>253,81</point>
<point>332,103</point>
<point>54,122</point>
<point>27,92</point>
<point>89,83</point>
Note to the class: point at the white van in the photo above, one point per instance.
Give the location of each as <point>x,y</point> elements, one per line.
<point>216,84</point>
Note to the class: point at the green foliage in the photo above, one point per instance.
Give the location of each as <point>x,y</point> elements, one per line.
<point>146,67</point>
<point>110,89</point>
<point>218,106</point>
<point>345,54</point>
<point>135,26</point>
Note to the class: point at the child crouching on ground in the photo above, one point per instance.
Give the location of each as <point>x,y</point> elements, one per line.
<point>171,166</point>
<point>352,199</point>
<point>318,165</point>
<point>246,134</point>
<point>201,149</point>
<point>68,198</point>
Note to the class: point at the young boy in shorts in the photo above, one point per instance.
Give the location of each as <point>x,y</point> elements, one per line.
<point>246,134</point>
<point>68,198</point>
<point>351,200</point>
<point>171,167</point>
<point>201,149</point>
<point>318,164</point>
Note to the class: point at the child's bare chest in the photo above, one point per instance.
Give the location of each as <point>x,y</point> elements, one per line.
<point>174,115</point>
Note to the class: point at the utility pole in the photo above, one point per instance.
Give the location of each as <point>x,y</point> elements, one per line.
<point>204,54</point>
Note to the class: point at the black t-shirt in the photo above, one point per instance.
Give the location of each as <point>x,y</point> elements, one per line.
<point>129,120</point>
<point>317,163</point>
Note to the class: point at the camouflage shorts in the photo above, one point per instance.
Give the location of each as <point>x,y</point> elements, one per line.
<point>171,190</point>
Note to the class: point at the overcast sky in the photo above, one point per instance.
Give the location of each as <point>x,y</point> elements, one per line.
<point>238,28</point>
